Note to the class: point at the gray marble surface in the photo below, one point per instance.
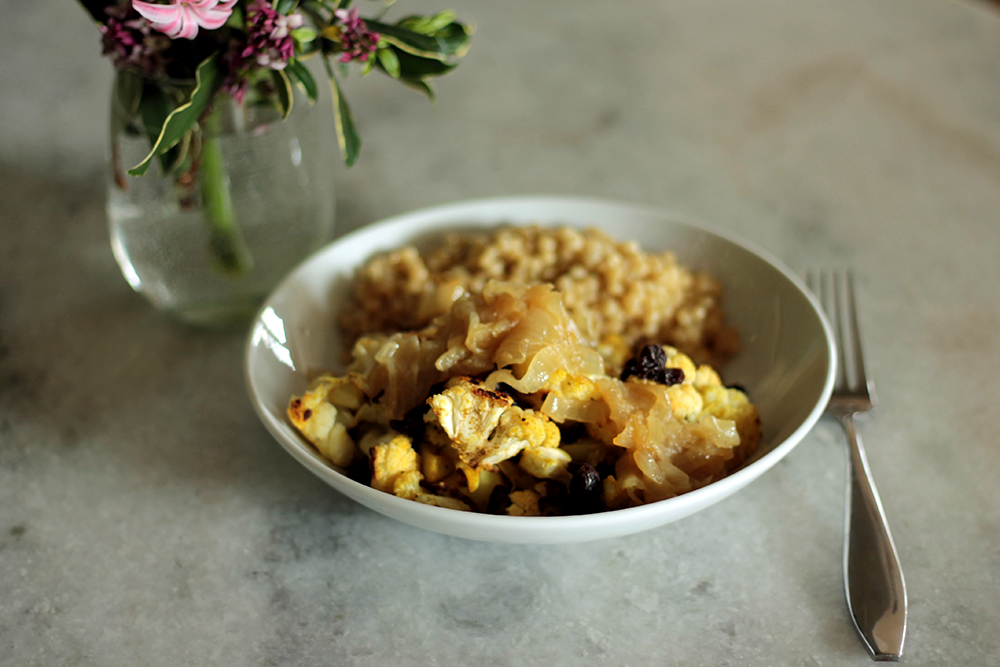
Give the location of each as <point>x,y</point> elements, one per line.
<point>147,518</point>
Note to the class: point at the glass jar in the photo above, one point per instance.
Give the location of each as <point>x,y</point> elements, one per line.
<point>217,221</point>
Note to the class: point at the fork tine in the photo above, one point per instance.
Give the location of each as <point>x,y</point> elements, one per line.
<point>828,294</point>
<point>835,292</point>
<point>860,375</point>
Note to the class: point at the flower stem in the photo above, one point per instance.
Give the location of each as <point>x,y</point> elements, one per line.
<point>226,243</point>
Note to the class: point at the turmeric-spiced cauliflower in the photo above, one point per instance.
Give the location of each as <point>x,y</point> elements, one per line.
<point>500,405</point>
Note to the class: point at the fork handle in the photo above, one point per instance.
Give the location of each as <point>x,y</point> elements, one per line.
<point>873,580</point>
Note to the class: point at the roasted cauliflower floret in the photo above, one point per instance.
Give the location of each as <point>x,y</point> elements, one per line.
<point>372,435</point>
<point>685,401</point>
<point>538,438</point>
<point>442,501</point>
<point>396,467</point>
<point>571,386</point>
<point>469,413</point>
<point>725,403</point>
<point>344,393</point>
<point>524,503</point>
<point>547,463</point>
<point>436,463</point>
<point>407,484</point>
<point>572,397</point>
<point>487,481</point>
<point>706,377</point>
<point>323,414</point>
<point>531,428</point>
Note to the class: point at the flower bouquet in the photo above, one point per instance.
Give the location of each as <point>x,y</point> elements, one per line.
<point>181,63</point>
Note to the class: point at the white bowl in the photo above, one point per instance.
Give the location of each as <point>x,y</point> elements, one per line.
<point>786,360</point>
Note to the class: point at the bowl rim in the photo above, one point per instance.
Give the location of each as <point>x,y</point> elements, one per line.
<point>683,504</point>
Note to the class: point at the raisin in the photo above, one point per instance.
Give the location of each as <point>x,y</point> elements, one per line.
<point>555,500</point>
<point>656,354</point>
<point>499,500</point>
<point>672,376</point>
<point>605,469</point>
<point>585,489</point>
<point>360,471</point>
<point>650,364</point>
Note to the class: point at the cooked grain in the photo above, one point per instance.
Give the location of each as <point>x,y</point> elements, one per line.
<point>616,293</point>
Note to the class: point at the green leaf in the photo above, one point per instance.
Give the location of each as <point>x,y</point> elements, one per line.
<point>455,38</point>
<point>128,97</point>
<point>155,106</point>
<point>284,92</point>
<point>408,40</point>
<point>451,40</point>
<point>208,80</point>
<point>304,35</point>
<point>176,157</point>
<point>332,33</point>
<point>304,78</point>
<point>415,67</point>
<point>285,6</point>
<point>389,62</point>
<point>427,25</point>
<point>308,50</point>
<point>235,19</point>
<point>420,86</point>
<point>347,134</point>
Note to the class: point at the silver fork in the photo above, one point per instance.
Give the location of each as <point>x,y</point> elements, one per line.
<point>873,581</point>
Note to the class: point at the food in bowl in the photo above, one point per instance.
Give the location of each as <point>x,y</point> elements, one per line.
<point>531,371</point>
<point>617,295</point>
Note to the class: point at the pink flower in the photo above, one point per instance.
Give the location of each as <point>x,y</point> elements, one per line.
<point>269,44</point>
<point>357,41</point>
<point>269,34</point>
<point>129,42</point>
<point>182,18</point>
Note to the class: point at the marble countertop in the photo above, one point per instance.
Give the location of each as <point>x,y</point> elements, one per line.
<point>147,518</point>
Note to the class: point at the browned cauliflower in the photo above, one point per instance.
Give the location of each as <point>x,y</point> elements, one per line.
<point>469,413</point>
<point>324,414</point>
<point>500,406</point>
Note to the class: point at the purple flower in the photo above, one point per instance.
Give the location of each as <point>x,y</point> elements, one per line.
<point>269,38</point>
<point>356,40</point>
<point>269,44</point>
<point>129,41</point>
<point>235,84</point>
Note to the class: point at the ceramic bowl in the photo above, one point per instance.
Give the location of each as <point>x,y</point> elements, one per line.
<point>786,359</point>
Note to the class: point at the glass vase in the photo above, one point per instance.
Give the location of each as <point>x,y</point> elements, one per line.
<point>217,221</point>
